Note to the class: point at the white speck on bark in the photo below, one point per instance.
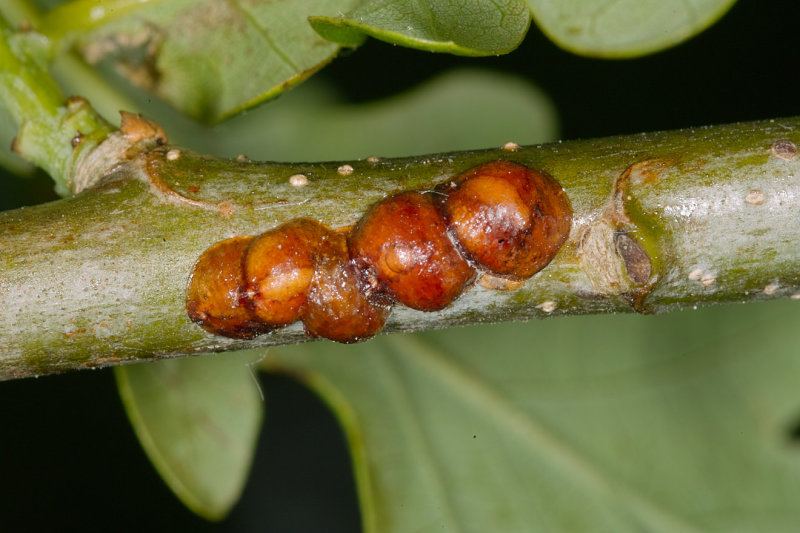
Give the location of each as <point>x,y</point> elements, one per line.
<point>298,180</point>
<point>548,307</point>
<point>708,279</point>
<point>784,149</point>
<point>754,197</point>
<point>771,289</point>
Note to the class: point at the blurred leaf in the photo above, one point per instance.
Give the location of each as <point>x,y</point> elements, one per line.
<point>198,419</point>
<point>468,27</point>
<point>214,58</point>
<point>624,28</point>
<point>307,124</point>
<point>678,423</point>
<point>209,58</point>
<point>605,28</point>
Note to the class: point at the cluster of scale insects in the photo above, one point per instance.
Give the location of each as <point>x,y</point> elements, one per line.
<point>419,249</point>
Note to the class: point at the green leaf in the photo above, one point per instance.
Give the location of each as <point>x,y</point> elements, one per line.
<point>624,28</point>
<point>209,58</point>
<point>467,27</point>
<point>676,424</point>
<point>604,28</point>
<point>198,419</point>
<point>198,55</point>
<point>308,124</point>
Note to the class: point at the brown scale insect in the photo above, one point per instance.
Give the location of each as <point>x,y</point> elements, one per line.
<point>508,218</point>
<point>402,242</point>
<point>214,296</point>
<point>339,307</point>
<point>278,268</point>
<point>501,216</point>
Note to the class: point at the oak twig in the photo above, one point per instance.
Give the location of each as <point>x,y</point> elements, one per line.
<point>662,221</point>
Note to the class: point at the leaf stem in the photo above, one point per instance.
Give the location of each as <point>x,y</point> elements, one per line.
<point>53,134</point>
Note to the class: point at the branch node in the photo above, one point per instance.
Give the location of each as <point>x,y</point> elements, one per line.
<point>610,248</point>
<point>136,135</point>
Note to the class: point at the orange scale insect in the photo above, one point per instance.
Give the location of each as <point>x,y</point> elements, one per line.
<point>215,294</point>
<point>402,242</point>
<point>340,306</point>
<point>502,216</point>
<point>508,218</point>
<point>278,269</point>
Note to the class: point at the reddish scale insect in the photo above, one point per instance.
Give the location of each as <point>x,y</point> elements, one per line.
<point>214,296</point>
<point>278,269</point>
<point>402,242</point>
<point>338,307</point>
<point>508,218</point>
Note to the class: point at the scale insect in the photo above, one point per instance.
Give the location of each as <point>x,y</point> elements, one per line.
<point>419,249</point>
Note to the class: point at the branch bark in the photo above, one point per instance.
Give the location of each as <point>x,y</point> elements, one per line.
<point>663,221</point>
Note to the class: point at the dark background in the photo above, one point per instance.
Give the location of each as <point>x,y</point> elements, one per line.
<point>68,457</point>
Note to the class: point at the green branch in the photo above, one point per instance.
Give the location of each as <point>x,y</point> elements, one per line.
<point>662,221</point>
<point>54,133</point>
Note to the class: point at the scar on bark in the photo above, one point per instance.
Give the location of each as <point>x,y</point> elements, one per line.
<point>610,247</point>
<point>137,129</point>
<point>168,194</point>
<point>142,140</point>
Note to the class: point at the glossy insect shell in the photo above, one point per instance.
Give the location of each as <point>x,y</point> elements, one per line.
<point>413,247</point>
<point>278,269</point>
<point>337,306</point>
<point>215,294</point>
<point>508,218</point>
<point>402,241</point>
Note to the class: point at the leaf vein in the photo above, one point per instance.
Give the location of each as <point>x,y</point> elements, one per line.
<point>482,397</point>
<point>264,33</point>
